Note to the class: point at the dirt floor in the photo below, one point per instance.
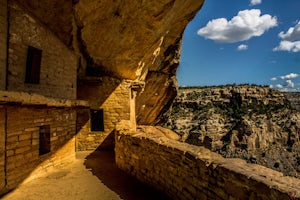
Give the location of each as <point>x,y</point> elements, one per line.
<point>92,175</point>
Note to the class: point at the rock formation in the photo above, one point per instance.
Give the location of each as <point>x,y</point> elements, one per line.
<point>251,122</point>
<point>136,40</point>
<point>294,98</point>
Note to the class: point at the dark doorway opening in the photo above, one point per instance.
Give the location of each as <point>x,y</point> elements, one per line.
<point>97,120</point>
<point>33,65</point>
<point>44,144</point>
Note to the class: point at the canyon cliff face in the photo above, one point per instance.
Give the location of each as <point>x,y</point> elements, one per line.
<point>134,40</point>
<point>294,98</point>
<point>250,122</point>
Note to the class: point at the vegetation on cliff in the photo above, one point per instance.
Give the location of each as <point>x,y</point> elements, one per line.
<point>246,121</point>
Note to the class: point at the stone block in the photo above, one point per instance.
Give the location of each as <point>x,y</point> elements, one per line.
<point>25,136</point>
<point>12,139</point>
<point>22,149</point>
<point>10,153</point>
<point>41,120</point>
<point>31,129</point>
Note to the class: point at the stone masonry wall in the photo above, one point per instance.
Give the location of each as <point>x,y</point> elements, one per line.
<point>58,73</point>
<point>2,147</point>
<point>3,43</point>
<point>22,126</point>
<point>185,171</point>
<point>113,97</point>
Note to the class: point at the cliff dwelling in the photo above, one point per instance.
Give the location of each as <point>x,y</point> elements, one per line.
<point>84,75</point>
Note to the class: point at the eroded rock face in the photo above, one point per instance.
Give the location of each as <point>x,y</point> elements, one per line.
<point>250,122</point>
<point>157,96</point>
<point>129,38</point>
<point>294,98</point>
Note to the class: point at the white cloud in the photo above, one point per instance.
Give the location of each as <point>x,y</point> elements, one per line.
<point>290,40</point>
<point>274,79</point>
<point>290,84</point>
<point>247,24</point>
<point>255,2</point>
<point>289,76</point>
<point>288,46</point>
<point>293,34</point>
<point>242,47</point>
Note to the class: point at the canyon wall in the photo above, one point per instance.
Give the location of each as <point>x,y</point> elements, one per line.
<point>255,123</point>
<point>294,98</point>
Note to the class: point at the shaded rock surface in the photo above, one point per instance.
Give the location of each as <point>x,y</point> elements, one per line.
<point>56,15</point>
<point>250,122</point>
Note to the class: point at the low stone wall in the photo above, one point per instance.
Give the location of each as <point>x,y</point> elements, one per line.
<point>185,171</point>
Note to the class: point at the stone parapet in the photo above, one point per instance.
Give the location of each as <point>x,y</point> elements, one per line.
<point>185,171</point>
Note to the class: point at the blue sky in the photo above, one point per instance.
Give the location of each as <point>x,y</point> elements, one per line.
<point>243,41</point>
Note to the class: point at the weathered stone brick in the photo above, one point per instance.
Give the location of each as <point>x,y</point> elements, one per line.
<point>41,120</point>
<point>22,149</point>
<point>34,142</point>
<point>26,136</point>
<point>32,129</point>
<point>10,153</point>
<point>12,139</point>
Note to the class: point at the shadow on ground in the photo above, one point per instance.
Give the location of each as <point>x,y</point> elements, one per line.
<point>102,165</point>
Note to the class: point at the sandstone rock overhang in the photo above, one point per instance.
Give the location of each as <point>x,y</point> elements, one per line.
<point>136,40</point>
<point>128,38</point>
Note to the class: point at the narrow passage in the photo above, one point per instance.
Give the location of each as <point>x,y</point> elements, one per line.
<point>90,176</point>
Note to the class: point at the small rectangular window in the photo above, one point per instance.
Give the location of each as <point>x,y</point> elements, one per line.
<point>44,144</point>
<point>97,120</point>
<point>33,65</point>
